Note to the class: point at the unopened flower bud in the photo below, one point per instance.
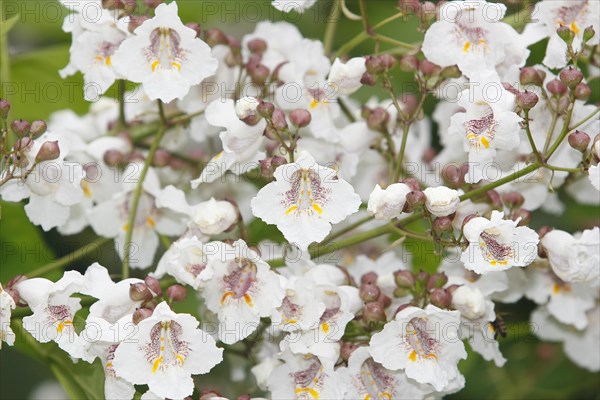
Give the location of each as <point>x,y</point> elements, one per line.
<point>176,293</point>
<point>378,119</point>
<point>38,128</point>
<point>422,277</point>
<point>257,46</point>
<point>409,63</point>
<point>346,350</point>
<point>440,298</point>
<point>374,65</point>
<point>265,109</point>
<point>402,307</point>
<point>162,158</point>
<point>442,224</point>
<point>385,300</point>
<point>510,88</point>
<point>451,72</point>
<point>153,284</point>
<point>527,100</point>
<point>369,292</point>
<point>571,77</point>
<point>139,292</point>
<point>368,79</point>
<point>14,294</point>
<point>300,117</point>
<point>532,76</point>
<point>428,68</point>
<point>583,92</point>
<point>4,108</point>
<point>135,21</point>
<point>141,314</point>
<point>588,33</point>
<point>401,292</point>
<point>48,151</point>
<point>469,301</point>
<point>493,198</point>
<point>369,278</point>
<point>436,281</point>
<point>566,34</point>
<point>387,60</point>
<point>258,73</point>
<point>522,215</point>
<point>215,36</point>
<point>279,121</point>
<point>374,312</point>
<point>513,199</point>
<point>453,176</point>
<point>20,127</point>
<point>556,87</point>
<point>579,140</point>
<point>245,109</point>
<point>415,199</point>
<point>544,230</point>
<point>23,143</point>
<point>404,279</point>
<point>113,157</point>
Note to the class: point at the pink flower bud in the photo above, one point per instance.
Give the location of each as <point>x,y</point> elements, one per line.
<point>556,87</point>
<point>442,224</point>
<point>139,292</point>
<point>300,117</point>
<point>112,158</point>
<point>153,284</point>
<point>48,151</point>
<point>265,109</point>
<point>4,108</point>
<point>579,140</point>
<point>176,293</point>
<point>346,350</point>
<point>404,279</point>
<point>279,121</point>
<point>416,198</point>
<point>437,281</point>
<point>571,77</point>
<point>374,65</point>
<point>141,314</point>
<point>387,61</point>
<point>440,298</point>
<point>513,199</point>
<point>215,36</point>
<point>428,68</point>
<point>368,79</point>
<point>38,128</point>
<point>135,21</point>
<point>369,277</point>
<point>258,73</point>
<point>369,292</point>
<point>527,100</point>
<point>412,183</point>
<point>524,215</point>
<point>195,27</point>
<point>409,63</point>
<point>532,76</point>
<point>162,158</point>
<point>378,119</point>
<point>258,46</point>
<point>493,198</point>
<point>20,127</point>
<point>374,312</point>
<point>583,92</point>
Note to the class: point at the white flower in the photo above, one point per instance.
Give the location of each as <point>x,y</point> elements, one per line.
<point>580,345</point>
<point>54,311</point>
<point>574,259</point>
<point>210,217</point>
<point>470,35</point>
<point>165,56</point>
<point>245,107</point>
<point>304,377</point>
<point>52,187</point>
<point>387,204</point>
<point>552,14</point>
<point>6,304</point>
<point>241,142</point>
<point>497,244</point>
<point>441,201</point>
<point>424,343</point>
<point>304,200</point>
<point>301,309</point>
<point>242,290</point>
<point>594,176</point>
<point>345,77</point>
<point>292,5</point>
<point>469,301</point>
<point>367,379</point>
<point>164,353</point>
<point>489,124</point>
<point>186,260</point>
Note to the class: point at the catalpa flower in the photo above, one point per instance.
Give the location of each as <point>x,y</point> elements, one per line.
<point>186,260</point>
<point>6,305</point>
<point>165,56</point>
<point>243,289</point>
<point>489,124</point>
<point>292,5</point>
<point>574,259</point>
<point>423,343</point>
<point>367,379</point>
<point>54,311</point>
<point>470,34</point>
<point>387,204</point>
<point>304,200</point>
<point>497,244</point>
<point>164,353</point>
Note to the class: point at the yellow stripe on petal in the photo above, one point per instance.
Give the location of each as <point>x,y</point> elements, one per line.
<point>176,65</point>
<point>466,47</point>
<point>225,296</point>
<point>108,61</point>
<point>317,208</point>
<point>485,143</point>
<point>413,356</point>
<point>574,27</point>
<point>291,209</point>
<point>248,300</point>
<point>314,104</point>
<point>151,221</point>
<point>155,65</point>
<point>156,364</point>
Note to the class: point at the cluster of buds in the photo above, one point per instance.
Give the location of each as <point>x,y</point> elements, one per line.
<point>150,294</point>
<point>425,288</point>
<point>375,301</point>
<point>377,66</point>
<point>428,74</point>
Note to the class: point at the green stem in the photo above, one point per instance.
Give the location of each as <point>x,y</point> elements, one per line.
<point>538,156</point>
<point>347,229</point>
<point>69,258</point>
<point>138,192</point>
<point>332,26</point>
<point>586,119</point>
<point>479,191</point>
<point>401,153</point>
<point>565,129</point>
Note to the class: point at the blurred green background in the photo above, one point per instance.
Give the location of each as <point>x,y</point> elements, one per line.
<point>35,49</point>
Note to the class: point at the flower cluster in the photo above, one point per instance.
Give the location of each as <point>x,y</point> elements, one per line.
<point>245,175</point>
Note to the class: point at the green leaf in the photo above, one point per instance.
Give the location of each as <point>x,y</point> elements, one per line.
<point>7,25</point>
